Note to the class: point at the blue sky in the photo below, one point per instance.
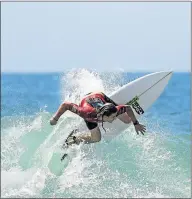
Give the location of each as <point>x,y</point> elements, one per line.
<point>129,36</point>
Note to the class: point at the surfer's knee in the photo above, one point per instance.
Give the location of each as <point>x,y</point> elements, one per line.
<point>96,138</point>
<point>95,135</point>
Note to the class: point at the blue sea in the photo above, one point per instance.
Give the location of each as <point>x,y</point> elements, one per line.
<point>156,165</point>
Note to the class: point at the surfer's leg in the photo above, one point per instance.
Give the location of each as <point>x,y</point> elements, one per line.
<point>124,118</point>
<point>94,134</point>
<point>90,137</point>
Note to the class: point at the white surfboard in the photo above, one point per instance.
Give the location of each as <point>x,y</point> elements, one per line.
<point>140,94</point>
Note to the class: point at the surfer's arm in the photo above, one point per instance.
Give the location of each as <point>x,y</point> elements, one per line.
<point>131,114</point>
<point>61,110</point>
<point>127,109</point>
<point>74,108</point>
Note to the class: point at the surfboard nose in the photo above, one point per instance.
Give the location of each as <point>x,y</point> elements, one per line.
<point>170,72</point>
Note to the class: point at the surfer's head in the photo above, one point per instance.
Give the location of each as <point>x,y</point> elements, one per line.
<point>107,112</point>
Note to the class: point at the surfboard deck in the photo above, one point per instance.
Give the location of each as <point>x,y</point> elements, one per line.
<point>140,94</point>
<point>55,165</point>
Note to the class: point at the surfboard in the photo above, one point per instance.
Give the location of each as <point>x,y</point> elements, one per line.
<point>140,94</point>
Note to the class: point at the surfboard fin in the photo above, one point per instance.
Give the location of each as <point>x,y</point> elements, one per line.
<point>63,157</point>
<point>69,141</point>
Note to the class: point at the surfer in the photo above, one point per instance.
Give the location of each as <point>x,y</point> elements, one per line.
<point>96,107</point>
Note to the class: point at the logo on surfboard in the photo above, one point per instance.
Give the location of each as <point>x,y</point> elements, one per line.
<point>135,105</point>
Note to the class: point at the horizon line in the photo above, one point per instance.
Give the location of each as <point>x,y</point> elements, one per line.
<point>120,71</point>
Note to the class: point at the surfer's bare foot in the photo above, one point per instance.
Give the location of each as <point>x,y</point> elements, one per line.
<point>71,139</point>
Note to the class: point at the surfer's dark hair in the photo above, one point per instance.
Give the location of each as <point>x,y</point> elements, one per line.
<point>106,110</point>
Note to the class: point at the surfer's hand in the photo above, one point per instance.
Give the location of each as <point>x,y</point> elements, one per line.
<point>53,121</point>
<point>141,128</point>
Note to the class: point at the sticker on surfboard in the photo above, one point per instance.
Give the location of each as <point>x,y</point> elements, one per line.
<point>135,105</point>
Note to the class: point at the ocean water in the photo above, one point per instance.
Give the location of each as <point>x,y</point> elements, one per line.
<point>151,166</point>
